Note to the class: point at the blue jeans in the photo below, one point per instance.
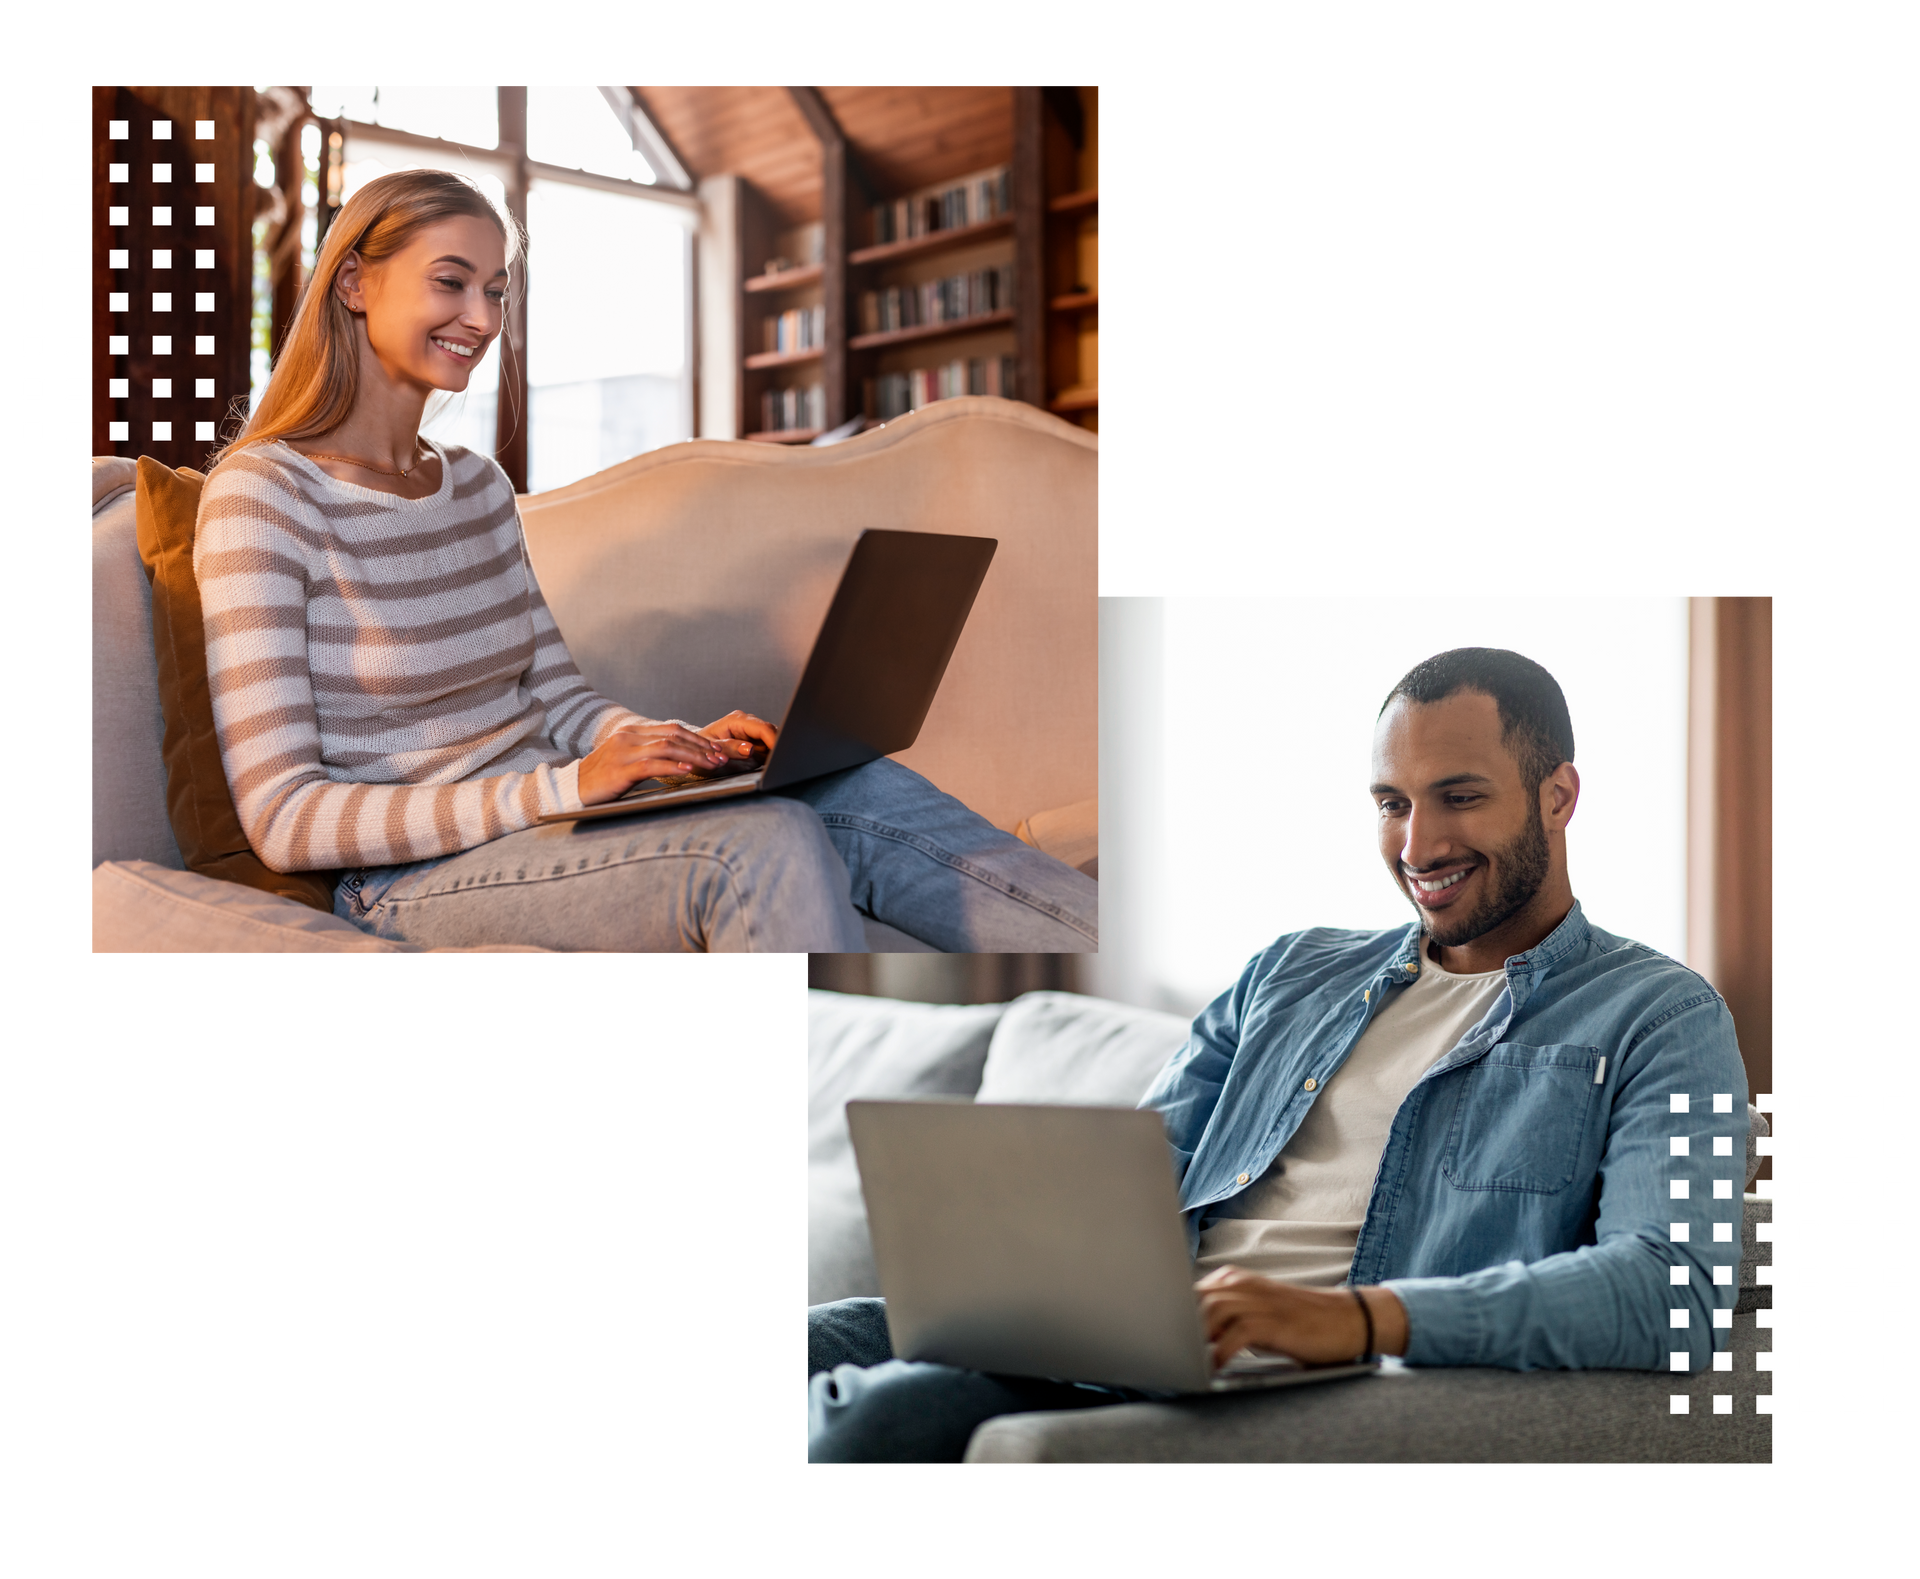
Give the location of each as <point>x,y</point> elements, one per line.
<point>788,871</point>
<point>864,1406</point>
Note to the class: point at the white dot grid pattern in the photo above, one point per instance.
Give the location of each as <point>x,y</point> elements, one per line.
<point>1679,1318</point>
<point>1677,1189</point>
<point>1722,1273</point>
<point>1677,1403</point>
<point>1677,1274</point>
<point>75,260</point>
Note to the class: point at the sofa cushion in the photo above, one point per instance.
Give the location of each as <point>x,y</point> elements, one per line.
<point>1424,1414</point>
<point>129,777</point>
<point>1061,1047</point>
<point>871,1047</point>
<point>199,804</point>
<point>142,908</point>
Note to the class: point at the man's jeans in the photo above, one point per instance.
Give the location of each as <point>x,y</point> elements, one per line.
<point>864,1406</point>
<point>786,871</point>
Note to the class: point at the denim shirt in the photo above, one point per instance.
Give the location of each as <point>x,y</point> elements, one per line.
<point>1526,1202</point>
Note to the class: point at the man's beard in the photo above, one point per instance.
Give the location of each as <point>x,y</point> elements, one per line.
<point>1522,864</point>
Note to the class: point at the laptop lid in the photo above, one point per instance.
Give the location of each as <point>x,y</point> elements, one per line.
<point>882,650</point>
<point>1031,1240</point>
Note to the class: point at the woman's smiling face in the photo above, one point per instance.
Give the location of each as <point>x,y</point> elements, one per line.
<point>434,307</point>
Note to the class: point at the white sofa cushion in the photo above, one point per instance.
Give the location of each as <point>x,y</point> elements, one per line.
<point>1061,1047</point>
<point>871,1047</point>
<point>142,908</point>
<point>129,777</point>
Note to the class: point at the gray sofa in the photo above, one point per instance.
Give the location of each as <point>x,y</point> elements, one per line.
<point>1060,1047</point>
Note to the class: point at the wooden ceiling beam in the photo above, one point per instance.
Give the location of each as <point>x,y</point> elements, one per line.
<point>1067,109</point>
<point>827,130</point>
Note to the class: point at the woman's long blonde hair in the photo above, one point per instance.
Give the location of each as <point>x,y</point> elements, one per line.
<point>316,376</point>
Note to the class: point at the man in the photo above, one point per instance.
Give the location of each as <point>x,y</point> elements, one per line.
<point>1500,1136</point>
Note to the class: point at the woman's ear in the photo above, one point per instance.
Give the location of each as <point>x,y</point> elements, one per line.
<point>349,284</point>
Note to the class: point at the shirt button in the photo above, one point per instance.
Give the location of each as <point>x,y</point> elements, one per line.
<point>1242,1179</point>
<point>1310,1085</point>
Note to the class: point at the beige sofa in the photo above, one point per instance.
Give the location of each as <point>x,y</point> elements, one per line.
<point>689,581</point>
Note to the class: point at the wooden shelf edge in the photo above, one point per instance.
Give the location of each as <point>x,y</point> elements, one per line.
<point>933,241</point>
<point>1075,301</point>
<point>1083,397</point>
<point>762,359</point>
<point>786,436</point>
<point>1074,202</point>
<point>788,279</point>
<point>930,331</point>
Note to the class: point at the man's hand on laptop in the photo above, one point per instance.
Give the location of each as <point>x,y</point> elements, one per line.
<point>1317,1326</point>
<point>665,750</point>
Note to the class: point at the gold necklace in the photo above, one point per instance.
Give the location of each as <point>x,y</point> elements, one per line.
<point>348,460</point>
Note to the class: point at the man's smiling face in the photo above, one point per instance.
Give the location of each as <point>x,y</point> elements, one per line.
<point>1465,841</point>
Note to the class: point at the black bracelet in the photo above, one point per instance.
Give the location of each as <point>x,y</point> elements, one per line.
<point>1369,1356</point>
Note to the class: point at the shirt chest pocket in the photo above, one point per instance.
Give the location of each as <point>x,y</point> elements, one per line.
<point>1520,1117</point>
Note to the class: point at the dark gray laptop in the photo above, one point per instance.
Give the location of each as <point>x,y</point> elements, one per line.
<point>871,677</point>
<point>1041,1241</point>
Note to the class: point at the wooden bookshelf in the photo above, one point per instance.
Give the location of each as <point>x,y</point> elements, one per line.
<point>761,359</point>
<point>934,241</point>
<point>931,331</point>
<point>1068,156</point>
<point>1051,194</point>
<point>787,279</point>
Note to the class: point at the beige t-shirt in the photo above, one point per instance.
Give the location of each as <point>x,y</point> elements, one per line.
<point>1301,1218</point>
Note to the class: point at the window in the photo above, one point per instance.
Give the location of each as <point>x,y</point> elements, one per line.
<point>608,330</point>
<point>609,275</point>
<point>469,116</point>
<point>577,129</point>
<point>1240,799</point>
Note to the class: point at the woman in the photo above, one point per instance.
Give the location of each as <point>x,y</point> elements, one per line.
<point>392,696</point>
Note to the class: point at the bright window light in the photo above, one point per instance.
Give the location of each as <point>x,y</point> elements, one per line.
<point>1265,730</point>
<point>577,129</point>
<point>470,116</point>
<point>607,330</point>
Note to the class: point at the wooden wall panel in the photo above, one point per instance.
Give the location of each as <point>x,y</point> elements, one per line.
<point>1730,817</point>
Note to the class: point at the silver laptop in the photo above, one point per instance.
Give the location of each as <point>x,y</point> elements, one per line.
<point>1041,1241</point>
<point>876,663</point>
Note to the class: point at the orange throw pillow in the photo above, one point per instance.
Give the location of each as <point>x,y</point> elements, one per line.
<point>199,803</point>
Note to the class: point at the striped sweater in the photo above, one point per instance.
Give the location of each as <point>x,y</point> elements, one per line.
<point>387,683</point>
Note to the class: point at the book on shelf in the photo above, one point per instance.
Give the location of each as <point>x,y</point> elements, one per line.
<point>783,410</point>
<point>796,329</point>
<point>893,395</point>
<point>949,300</point>
<point>970,202</point>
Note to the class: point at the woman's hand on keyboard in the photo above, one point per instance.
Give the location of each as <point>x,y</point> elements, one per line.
<point>647,751</point>
<point>744,739</point>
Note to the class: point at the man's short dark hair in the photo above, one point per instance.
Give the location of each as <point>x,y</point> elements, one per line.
<point>1534,724</point>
